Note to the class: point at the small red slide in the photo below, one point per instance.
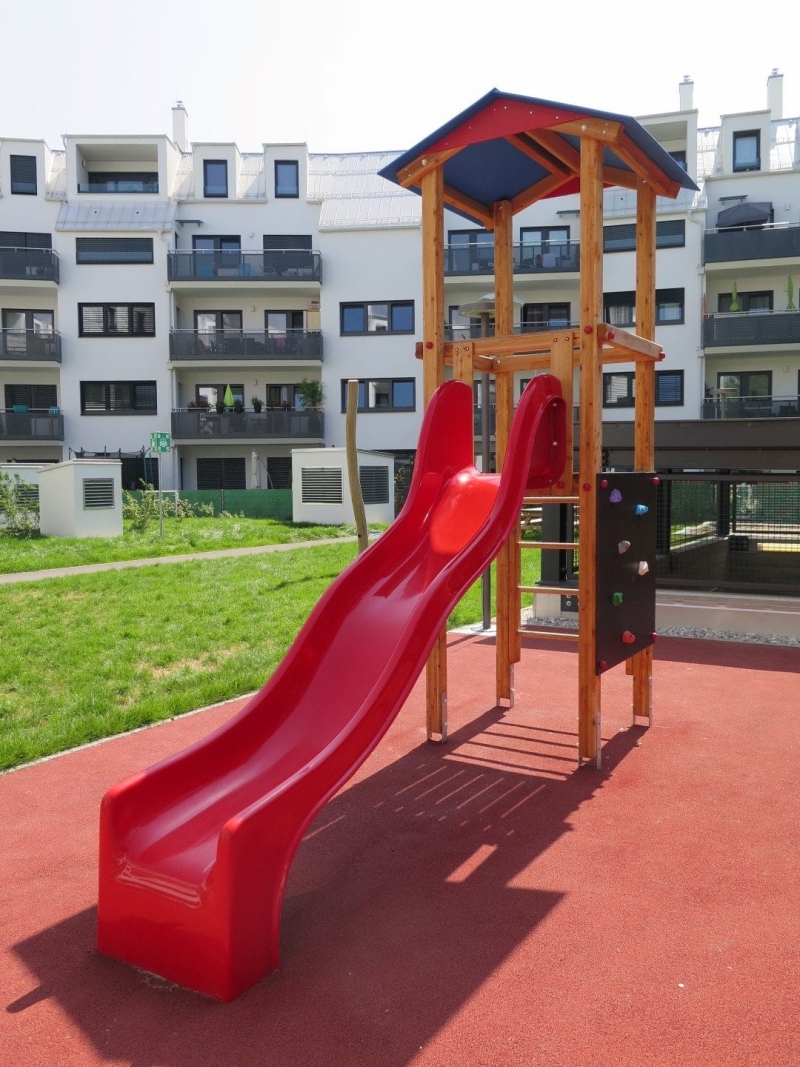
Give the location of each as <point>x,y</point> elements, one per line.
<point>195,851</point>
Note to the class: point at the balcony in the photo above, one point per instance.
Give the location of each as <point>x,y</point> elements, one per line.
<point>751,407</point>
<point>275,265</point>
<point>204,425</point>
<point>29,264</point>
<point>30,345</point>
<point>230,345</point>
<point>30,427</point>
<point>563,258</point>
<point>768,242</point>
<point>121,186</point>
<point>751,329</point>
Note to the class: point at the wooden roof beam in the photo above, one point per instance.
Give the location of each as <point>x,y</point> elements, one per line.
<point>472,207</point>
<point>424,164</point>
<point>558,147</point>
<point>629,152</point>
<point>546,187</point>
<point>605,130</point>
<point>523,142</point>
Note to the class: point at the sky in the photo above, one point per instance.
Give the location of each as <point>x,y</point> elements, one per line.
<point>363,75</point>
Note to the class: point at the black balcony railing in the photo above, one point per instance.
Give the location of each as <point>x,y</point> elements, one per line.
<point>751,407</point>
<point>751,328</point>
<point>290,265</point>
<point>32,425</point>
<point>528,259</point>
<point>231,345</point>
<point>771,242</point>
<point>29,264</point>
<point>30,345</point>
<point>203,425</point>
<point>123,186</point>
<point>475,329</point>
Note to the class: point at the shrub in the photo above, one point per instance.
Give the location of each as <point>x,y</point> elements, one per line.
<point>19,506</point>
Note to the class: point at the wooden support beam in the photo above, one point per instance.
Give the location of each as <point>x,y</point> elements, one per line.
<point>546,187</point>
<point>632,343</point>
<point>559,148</point>
<point>523,142</point>
<point>591,401</point>
<point>413,172</point>
<point>433,316</point>
<point>507,561</point>
<point>472,207</point>
<point>648,172</point>
<point>644,429</point>
<point>463,362</point>
<point>562,361</point>
<point>608,131</point>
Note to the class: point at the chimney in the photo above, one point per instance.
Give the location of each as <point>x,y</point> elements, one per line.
<point>180,126</point>
<point>686,94</point>
<point>775,94</point>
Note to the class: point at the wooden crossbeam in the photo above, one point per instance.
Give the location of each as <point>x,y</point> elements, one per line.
<point>428,161</point>
<point>606,130</point>
<point>471,207</point>
<point>546,187</point>
<point>557,147</point>
<point>523,142</point>
<point>629,152</point>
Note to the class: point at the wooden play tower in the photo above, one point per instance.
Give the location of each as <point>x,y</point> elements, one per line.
<point>498,157</point>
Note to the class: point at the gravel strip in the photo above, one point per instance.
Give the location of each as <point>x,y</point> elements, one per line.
<point>562,623</point>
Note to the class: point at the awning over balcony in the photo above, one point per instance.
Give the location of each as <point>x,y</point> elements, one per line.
<point>747,214</point>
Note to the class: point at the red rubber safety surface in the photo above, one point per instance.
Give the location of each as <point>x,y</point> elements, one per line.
<point>479,903</point>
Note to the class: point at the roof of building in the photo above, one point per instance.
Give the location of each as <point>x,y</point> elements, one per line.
<point>505,145</point>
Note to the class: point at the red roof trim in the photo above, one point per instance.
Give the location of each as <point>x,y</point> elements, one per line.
<point>502,117</point>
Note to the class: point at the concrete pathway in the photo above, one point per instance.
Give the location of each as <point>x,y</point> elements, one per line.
<point>118,565</point>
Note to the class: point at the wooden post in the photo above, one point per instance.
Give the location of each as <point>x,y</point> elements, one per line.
<point>356,495</point>
<point>591,415</point>
<point>644,430</point>
<point>433,316</point>
<point>507,570</point>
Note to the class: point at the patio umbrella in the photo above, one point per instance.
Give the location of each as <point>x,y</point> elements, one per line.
<point>735,298</point>
<point>227,399</point>
<point>484,306</point>
<point>748,214</point>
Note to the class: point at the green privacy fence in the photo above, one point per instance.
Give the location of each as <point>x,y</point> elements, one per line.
<point>251,503</point>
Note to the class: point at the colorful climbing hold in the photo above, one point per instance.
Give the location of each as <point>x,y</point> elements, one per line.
<point>628,638</point>
<point>615,497</point>
<point>616,599</point>
<point>644,567</point>
<point>642,509</point>
<point>623,547</point>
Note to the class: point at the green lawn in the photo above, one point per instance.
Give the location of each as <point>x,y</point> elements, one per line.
<point>89,656</point>
<point>180,536</point>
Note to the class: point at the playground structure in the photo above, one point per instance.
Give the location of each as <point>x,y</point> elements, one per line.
<point>494,159</point>
<point>195,852</point>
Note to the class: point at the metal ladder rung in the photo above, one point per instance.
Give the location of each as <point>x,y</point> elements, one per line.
<point>549,544</point>
<point>556,590</point>
<point>550,635</point>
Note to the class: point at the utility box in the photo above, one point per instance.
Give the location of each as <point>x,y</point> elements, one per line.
<point>321,487</point>
<point>81,498</point>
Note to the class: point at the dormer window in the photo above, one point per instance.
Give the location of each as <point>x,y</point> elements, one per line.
<point>215,177</point>
<point>23,175</point>
<point>747,150</point>
<point>287,177</point>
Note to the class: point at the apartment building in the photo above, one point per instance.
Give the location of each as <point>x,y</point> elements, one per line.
<point>148,283</point>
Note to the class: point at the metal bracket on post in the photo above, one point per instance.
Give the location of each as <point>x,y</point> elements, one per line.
<point>443,735</point>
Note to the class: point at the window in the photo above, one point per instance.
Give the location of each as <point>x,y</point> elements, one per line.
<point>470,250</point>
<point>120,182</point>
<point>18,239</point>
<point>544,246</point>
<point>282,396</point>
<point>390,317</point>
<point>118,398</point>
<point>744,383</point>
<point>114,250</point>
<point>750,301</point>
<point>620,308</point>
<point>23,175</point>
<point>545,316</point>
<point>290,241</point>
<point>670,233</point>
<point>116,320</point>
<point>680,157</point>
<point>215,394</point>
<point>669,306</point>
<point>747,150</point>
<point>383,394</point>
<point>215,177</point>
<point>228,473</point>
<point>217,256</point>
<point>33,397</point>
<point>619,389</point>
<point>287,177</point>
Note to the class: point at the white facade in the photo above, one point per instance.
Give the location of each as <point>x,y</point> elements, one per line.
<point>141,276</point>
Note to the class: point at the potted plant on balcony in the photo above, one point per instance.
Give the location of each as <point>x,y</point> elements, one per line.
<point>257,403</point>
<point>238,406</point>
<point>311,396</point>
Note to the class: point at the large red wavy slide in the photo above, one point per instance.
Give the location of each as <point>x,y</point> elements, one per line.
<point>195,851</point>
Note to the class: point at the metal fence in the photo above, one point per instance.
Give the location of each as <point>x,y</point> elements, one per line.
<point>734,532</point>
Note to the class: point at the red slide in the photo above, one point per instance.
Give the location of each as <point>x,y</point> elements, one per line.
<point>195,851</point>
